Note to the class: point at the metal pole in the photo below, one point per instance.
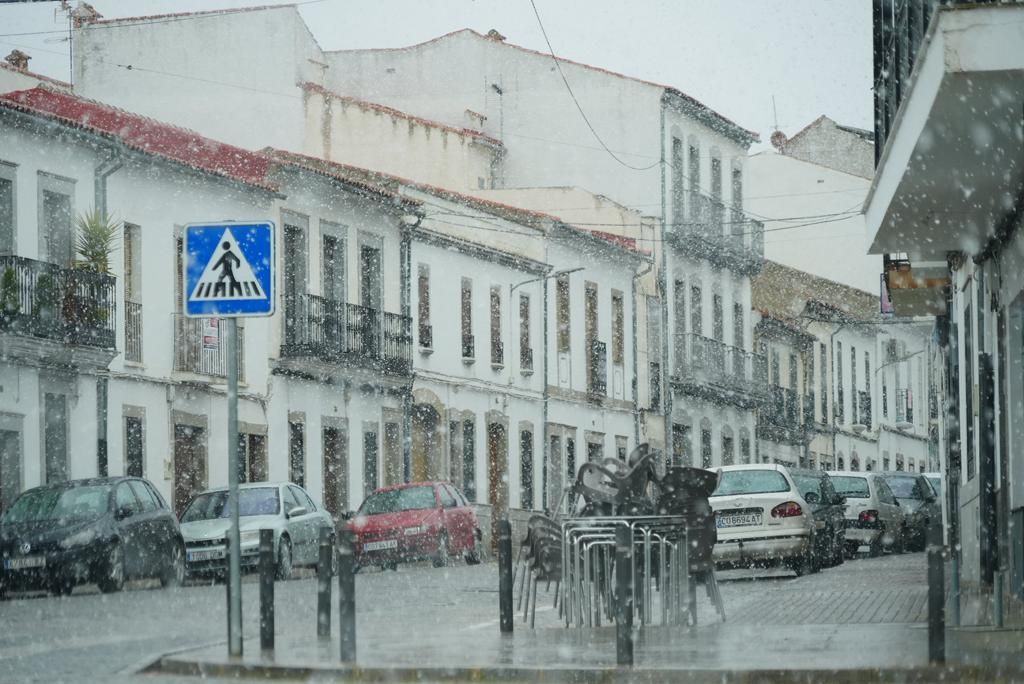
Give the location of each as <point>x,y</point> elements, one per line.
<point>954,588</point>
<point>347,598</point>
<point>624,596</point>
<point>505,576</point>
<point>234,546</point>
<point>323,583</point>
<point>999,598</point>
<point>936,596</point>
<point>267,590</point>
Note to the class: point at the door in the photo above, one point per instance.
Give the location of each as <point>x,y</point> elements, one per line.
<point>189,464</point>
<point>335,473</point>
<point>370,297</point>
<point>131,528</point>
<point>426,443</point>
<point>497,482</point>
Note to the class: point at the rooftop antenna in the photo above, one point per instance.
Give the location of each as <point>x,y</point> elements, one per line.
<point>778,137</point>
<point>775,114</point>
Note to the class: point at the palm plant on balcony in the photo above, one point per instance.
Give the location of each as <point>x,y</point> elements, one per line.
<point>10,296</point>
<point>95,244</point>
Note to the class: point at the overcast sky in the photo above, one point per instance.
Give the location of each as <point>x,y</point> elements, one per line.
<point>813,56</point>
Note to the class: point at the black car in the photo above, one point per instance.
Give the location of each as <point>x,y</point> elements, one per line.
<point>102,530</point>
<point>828,509</point>
<point>919,504</point>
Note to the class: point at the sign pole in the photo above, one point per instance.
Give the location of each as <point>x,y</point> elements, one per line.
<point>234,545</point>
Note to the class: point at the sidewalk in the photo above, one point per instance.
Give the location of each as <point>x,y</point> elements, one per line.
<point>426,625</point>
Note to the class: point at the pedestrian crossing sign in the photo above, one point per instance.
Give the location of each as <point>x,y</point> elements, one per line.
<point>228,269</point>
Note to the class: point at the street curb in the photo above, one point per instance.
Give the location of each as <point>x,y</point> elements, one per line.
<point>578,675</point>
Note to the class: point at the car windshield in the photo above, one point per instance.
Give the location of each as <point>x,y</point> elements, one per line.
<point>851,487</point>
<point>750,482</point>
<point>39,505</point>
<point>212,505</point>
<point>904,487</point>
<point>395,500</point>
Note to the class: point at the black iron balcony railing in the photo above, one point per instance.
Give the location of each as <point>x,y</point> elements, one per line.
<point>526,358</point>
<point>43,300</point>
<point>597,366</point>
<point>199,347</point>
<point>721,234</point>
<point>904,407</point>
<point>468,346</point>
<point>786,416</point>
<point>426,334</point>
<point>707,364</point>
<point>338,332</point>
<point>133,331</point>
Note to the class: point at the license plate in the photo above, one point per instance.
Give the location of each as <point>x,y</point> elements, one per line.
<point>737,519</point>
<point>27,562</point>
<point>379,545</point>
<point>204,555</point>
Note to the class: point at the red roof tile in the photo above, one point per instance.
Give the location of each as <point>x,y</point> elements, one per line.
<point>144,134</point>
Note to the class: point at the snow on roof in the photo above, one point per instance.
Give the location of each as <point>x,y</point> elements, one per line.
<point>143,134</point>
<point>729,125</point>
<point>31,74</point>
<point>373,106</point>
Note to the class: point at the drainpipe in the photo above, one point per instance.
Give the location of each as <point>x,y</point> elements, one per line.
<point>636,366</point>
<point>105,169</point>
<point>409,223</point>
<point>544,407</point>
<point>662,288</point>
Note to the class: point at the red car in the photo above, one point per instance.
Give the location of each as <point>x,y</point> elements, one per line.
<point>415,521</point>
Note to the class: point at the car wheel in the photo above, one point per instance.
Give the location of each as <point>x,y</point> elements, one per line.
<point>473,555</point>
<point>113,575</point>
<point>441,559</point>
<point>807,563</point>
<point>851,549</point>
<point>284,559</point>
<point>174,574</point>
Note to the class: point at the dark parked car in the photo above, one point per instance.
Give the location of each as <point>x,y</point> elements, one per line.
<point>828,509</point>
<point>103,530</point>
<point>919,504</point>
<point>415,521</point>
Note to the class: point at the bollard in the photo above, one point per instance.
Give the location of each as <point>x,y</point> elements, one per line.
<point>323,582</point>
<point>624,596</point>
<point>936,596</point>
<point>505,576</point>
<point>347,598</point>
<point>227,590</point>
<point>267,570</point>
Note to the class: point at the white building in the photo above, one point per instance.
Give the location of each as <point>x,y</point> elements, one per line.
<point>945,208</point>
<point>133,386</point>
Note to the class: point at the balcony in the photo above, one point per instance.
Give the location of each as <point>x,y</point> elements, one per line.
<point>597,370</point>
<point>65,307</point>
<point>715,371</point>
<point>338,333</point>
<point>786,417</point>
<point>914,290</point>
<point>199,347</point>
<point>736,242</point>
<point>904,409</point>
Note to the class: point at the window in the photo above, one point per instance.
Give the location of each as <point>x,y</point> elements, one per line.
<point>694,172</point>
<point>969,382</point>
<point>145,496</point>
<point>252,457</point>
<point>297,452</point>
<point>654,351</point>
<point>595,451</point>
<point>8,212</point>
<point>562,312</point>
<point>775,370</point>
<point>126,501</point>
<point>618,329</point>
<point>525,350</point>
<point>371,280</point>
<point>332,257</point>
<point>744,446</point>
<point>570,458</point>
<point>295,273</point>
<point>839,381</point>
<point>526,470</point>
<point>425,331</point>
<point>370,459</point>
<point>134,446</point>
<point>717,318</point>
<point>738,336</point>
<point>885,396</point>
<point>468,350</point>
<point>682,451</point>
<point>621,447</point>
<point>334,439</point>
<point>448,499</point>
<point>55,214</point>
<point>695,310</point>
<point>677,180</point>
<point>716,192</point>
<point>132,251</point>
<point>705,445</point>
<point>823,381</point>
<point>793,372</point>
<point>590,333</point>
<point>737,192</point>
<point>728,449</point>
<point>497,349</point>
<point>469,459</point>
<point>853,377</point>
<point>867,373</point>
<point>885,460</point>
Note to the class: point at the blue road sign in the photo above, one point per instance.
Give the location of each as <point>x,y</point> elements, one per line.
<point>229,269</point>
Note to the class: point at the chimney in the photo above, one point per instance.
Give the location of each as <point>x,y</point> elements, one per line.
<point>84,14</point>
<point>17,59</point>
<point>495,36</point>
<point>779,141</point>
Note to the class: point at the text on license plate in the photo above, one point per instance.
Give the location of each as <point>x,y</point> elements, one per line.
<point>204,555</point>
<point>26,562</point>
<point>737,519</point>
<point>378,545</point>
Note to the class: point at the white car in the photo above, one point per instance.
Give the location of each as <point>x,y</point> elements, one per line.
<point>762,519</point>
<point>873,516</point>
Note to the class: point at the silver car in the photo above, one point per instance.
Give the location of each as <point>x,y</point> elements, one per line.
<point>873,516</point>
<point>282,507</point>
